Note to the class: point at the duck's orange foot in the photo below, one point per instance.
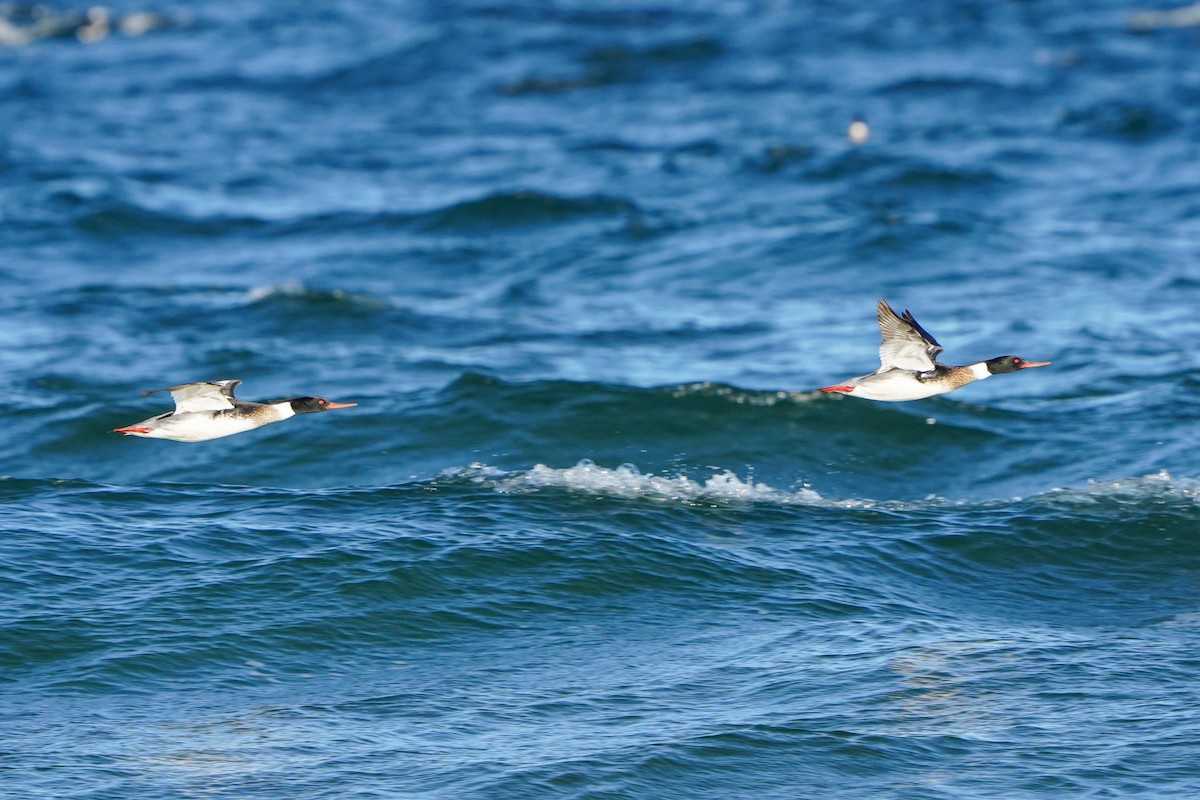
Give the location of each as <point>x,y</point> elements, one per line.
<point>131,429</point>
<point>842,389</point>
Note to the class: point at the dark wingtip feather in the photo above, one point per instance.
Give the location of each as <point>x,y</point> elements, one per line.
<point>911,320</point>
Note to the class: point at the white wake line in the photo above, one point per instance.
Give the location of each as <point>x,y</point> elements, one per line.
<point>627,481</point>
<point>724,486</point>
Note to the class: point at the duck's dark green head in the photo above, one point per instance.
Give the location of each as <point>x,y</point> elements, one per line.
<point>311,405</point>
<point>1011,364</point>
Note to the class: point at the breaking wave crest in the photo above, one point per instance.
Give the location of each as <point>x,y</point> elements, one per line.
<point>724,486</point>
<point>628,481</point>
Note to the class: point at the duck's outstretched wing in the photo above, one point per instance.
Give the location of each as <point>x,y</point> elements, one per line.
<point>203,396</point>
<point>906,345</point>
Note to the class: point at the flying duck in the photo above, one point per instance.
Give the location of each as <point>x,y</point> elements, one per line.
<point>909,369</point>
<point>208,410</point>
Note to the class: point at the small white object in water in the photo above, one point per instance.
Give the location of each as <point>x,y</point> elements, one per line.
<point>97,26</point>
<point>858,132</point>
<point>1185,17</point>
<point>141,22</point>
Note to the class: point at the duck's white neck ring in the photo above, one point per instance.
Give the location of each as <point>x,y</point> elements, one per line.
<point>284,409</point>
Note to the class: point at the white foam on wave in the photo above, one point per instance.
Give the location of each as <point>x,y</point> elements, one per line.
<point>290,289</point>
<point>628,481</point>
<point>1159,485</point>
<point>297,289</point>
<point>744,397</point>
<point>724,486</point>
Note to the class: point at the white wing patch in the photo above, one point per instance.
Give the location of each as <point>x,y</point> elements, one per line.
<point>206,396</point>
<point>905,345</point>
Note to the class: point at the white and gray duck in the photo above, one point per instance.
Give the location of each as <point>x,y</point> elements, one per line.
<point>909,369</point>
<point>208,410</point>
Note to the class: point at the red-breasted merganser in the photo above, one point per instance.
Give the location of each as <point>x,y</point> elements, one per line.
<point>208,410</point>
<point>908,366</point>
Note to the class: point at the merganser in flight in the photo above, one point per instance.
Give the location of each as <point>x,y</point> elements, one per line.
<point>208,410</point>
<point>908,366</point>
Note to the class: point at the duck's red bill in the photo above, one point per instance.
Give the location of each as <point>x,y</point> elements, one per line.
<point>1028,364</point>
<point>331,404</point>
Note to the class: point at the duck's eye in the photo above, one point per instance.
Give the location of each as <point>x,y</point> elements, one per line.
<point>320,402</point>
<point>1016,360</point>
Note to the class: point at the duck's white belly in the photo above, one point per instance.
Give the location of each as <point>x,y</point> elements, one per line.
<point>897,386</point>
<point>200,426</point>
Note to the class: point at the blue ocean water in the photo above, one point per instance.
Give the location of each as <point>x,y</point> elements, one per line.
<point>590,533</point>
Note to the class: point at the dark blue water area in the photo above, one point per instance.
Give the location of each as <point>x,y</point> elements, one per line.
<point>591,532</point>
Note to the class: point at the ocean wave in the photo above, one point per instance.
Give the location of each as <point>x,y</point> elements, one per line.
<point>611,65</point>
<point>296,291</point>
<point>724,486</point>
<point>743,397</point>
<point>1131,121</point>
<point>711,395</point>
<point>941,85</point>
<point>1153,489</point>
<point>525,207</point>
<point>1153,494</point>
<point>626,481</point>
<point>131,209</point>
<point>922,176</point>
<point>289,305</point>
<point>779,156</point>
<point>114,216</point>
<point>193,308</point>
